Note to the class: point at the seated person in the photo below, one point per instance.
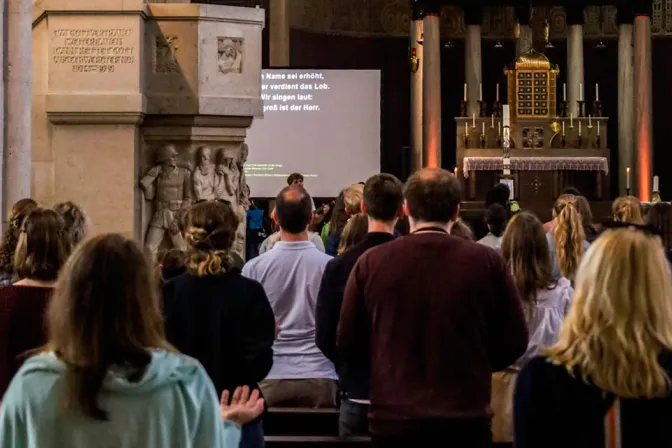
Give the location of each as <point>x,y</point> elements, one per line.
<point>290,274</point>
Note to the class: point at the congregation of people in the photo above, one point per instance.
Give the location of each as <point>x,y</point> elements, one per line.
<point>380,303</point>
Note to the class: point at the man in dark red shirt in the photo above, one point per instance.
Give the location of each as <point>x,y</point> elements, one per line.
<point>441,314</point>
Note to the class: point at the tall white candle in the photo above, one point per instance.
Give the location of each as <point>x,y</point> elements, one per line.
<point>563,128</point>
<point>655,183</point>
<point>493,121</point>
<point>466,129</point>
<point>473,118</point>
<point>483,128</point>
<point>564,91</point>
<point>498,92</point>
<point>571,120</point>
<point>580,91</point>
<point>465,91</point>
<point>579,128</point>
<point>597,92</point>
<point>480,92</point>
<point>499,128</point>
<point>506,118</point>
<point>627,178</point>
<point>590,123</point>
<point>598,128</point>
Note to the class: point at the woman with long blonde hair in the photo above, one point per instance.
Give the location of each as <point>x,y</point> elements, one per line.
<point>607,380</point>
<point>355,232</point>
<point>545,301</point>
<point>216,315</point>
<point>107,376</point>
<point>567,241</point>
<point>627,209</point>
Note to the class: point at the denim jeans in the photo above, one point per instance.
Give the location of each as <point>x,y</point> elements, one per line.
<point>252,435</point>
<point>353,419</point>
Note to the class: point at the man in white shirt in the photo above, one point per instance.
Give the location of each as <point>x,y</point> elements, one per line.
<point>291,274</point>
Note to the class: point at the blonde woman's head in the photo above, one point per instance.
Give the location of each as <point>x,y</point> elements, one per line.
<point>568,235</point>
<point>627,209</point>
<point>352,199</point>
<point>621,317</point>
<point>354,233</point>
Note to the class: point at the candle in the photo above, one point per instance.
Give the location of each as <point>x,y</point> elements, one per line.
<point>473,118</point>
<point>564,91</point>
<point>655,183</point>
<point>498,92</point>
<point>598,128</point>
<point>465,91</point>
<point>597,92</point>
<point>627,178</point>
<point>580,91</point>
<point>590,123</point>
<point>483,130</point>
<point>579,128</point>
<point>466,129</point>
<point>571,120</point>
<point>480,92</point>
<point>499,128</point>
<point>563,128</point>
<point>455,171</point>
<point>493,121</point>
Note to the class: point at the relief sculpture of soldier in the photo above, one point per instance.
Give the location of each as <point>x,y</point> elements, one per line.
<point>169,186</point>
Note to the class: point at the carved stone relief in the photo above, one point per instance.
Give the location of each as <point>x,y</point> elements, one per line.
<point>166,48</point>
<point>230,50</point>
<point>171,186</point>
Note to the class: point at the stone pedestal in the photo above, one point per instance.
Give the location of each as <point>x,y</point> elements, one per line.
<point>118,83</point>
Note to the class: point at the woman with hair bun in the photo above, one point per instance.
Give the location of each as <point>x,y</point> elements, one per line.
<point>627,209</point>
<point>216,315</point>
<point>11,238</point>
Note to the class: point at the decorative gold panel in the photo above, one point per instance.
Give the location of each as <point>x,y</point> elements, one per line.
<point>532,86</point>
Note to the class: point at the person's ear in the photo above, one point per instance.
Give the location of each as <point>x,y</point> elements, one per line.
<point>405,209</point>
<point>456,216</point>
<point>362,207</point>
<point>274,217</point>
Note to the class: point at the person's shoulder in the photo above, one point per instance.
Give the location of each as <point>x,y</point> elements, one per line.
<point>34,381</point>
<point>257,262</point>
<point>540,369</point>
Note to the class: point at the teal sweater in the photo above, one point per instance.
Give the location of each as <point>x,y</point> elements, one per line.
<point>174,405</point>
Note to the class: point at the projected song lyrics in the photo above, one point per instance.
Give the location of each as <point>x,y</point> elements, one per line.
<point>292,92</point>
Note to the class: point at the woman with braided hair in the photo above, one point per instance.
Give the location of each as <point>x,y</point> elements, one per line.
<point>9,241</point>
<point>567,241</point>
<point>216,315</point>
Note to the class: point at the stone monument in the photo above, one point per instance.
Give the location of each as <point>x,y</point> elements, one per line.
<point>129,96</point>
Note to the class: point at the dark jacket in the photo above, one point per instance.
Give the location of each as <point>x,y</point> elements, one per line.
<point>555,409</point>
<point>333,240</point>
<point>441,314</point>
<point>225,322</point>
<point>22,327</point>
<point>354,377</point>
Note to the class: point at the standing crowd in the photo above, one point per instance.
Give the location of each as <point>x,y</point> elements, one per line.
<point>379,303</point>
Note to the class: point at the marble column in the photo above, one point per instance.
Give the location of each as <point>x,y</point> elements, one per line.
<point>431,88</point>
<point>17,169</point>
<point>643,105</point>
<point>472,57</point>
<point>575,79</point>
<point>626,98</point>
<point>3,45</point>
<point>416,87</point>
<point>279,33</point>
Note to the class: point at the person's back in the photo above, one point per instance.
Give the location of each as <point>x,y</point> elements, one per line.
<point>291,274</point>
<point>167,406</point>
<point>443,314</point>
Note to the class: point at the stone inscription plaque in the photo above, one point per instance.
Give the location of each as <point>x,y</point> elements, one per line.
<point>93,50</point>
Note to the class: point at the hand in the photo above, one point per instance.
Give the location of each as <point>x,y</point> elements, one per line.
<point>244,406</point>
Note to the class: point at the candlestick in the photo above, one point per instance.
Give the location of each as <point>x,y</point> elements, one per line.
<point>627,178</point>
<point>497,93</point>
<point>465,91</point>
<point>590,123</point>
<point>499,128</point>
<point>480,92</point>
<point>580,91</point>
<point>571,121</point>
<point>563,128</point>
<point>483,128</point>
<point>597,92</point>
<point>473,118</point>
<point>493,121</point>
<point>579,128</point>
<point>466,128</point>
<point>564,92</point>
<point>655,183</point>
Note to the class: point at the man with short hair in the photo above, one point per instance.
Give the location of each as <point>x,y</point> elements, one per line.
<point>382,203</point>
<point>297,179</point>
<point>290,275</point>
<point>439,315</point>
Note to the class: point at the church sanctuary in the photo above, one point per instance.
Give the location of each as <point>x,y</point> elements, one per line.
<point>335,223</point>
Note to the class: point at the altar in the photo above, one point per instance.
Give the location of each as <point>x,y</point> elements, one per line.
<point>545,151</point>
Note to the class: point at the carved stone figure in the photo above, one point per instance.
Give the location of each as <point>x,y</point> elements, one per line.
<point>206,181</point>
<point>230,50</point>
<point>225,172</point>
<point>165,54</point>
<point>243,198</point>
<point>169,187</point>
